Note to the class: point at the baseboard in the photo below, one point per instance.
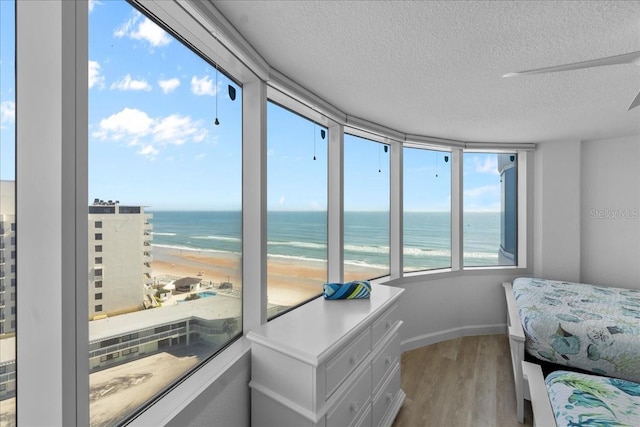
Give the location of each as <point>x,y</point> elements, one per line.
<point>449,334</point>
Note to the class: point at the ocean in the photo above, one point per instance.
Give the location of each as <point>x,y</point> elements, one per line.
<point>301,236</point>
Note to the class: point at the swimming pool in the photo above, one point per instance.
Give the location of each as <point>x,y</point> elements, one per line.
<point>206,294</point>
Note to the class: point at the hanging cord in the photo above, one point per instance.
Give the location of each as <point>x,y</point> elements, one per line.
<point>217,122</point>
<point>314,140</point>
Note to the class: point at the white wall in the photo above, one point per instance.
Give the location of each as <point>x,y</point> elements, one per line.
<point>224,403</point>
<point>557,210</point>
<point>440,309</point>
<point>610,210</point>
<point>587,211</point>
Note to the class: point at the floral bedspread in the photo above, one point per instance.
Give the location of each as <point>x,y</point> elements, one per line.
<point>589,327</point>
<point>586,400</point>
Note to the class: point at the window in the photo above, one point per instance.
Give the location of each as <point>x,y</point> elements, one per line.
<point>490,209</point>
<point>128,351</point>
<point>366,208</point>
<point>427,209</point>
<point>173,121</point>
<point>296,208</point>
<point>129,337</point>
<point>98,260</point>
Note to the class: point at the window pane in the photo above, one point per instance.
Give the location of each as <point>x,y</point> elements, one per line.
<point>296,209</point>
<point>165,183</point>
<point>427,209</point>
<point>490,209</point>
<point>8,276</point>
<point>366,208</point>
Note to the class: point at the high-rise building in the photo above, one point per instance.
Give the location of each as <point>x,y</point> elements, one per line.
<point>7,257</point>
<point>119,258</point>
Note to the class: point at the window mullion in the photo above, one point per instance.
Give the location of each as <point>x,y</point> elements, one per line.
<point>396,218</point>
<point>254,203</point>
<point>335,232</point>
<point>456,209</point>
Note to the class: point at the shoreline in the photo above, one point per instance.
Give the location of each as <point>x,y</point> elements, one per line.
<point>291,281</point>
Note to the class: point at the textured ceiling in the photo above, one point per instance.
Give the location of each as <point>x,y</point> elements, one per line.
<point>434,68</point>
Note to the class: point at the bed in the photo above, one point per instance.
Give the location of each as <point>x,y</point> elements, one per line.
<point>585,327</point>
<point>567,398</point>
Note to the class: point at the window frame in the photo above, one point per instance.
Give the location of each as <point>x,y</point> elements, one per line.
<point>395,180</point>
<point>445,151</point>
<point>293,107</point>
<point>59,243</point>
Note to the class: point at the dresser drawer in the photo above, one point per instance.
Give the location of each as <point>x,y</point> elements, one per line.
<point>385,360</point>
<point>355,402</point>
<point>365,419</point>
<point>384,324</point>
<point>383,400</point>
<point>339,368</point>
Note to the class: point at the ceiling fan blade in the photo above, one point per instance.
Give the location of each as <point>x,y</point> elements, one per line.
<point>635,102</point>
<point>625,58</point>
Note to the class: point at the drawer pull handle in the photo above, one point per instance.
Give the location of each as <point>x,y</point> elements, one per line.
<point>388,360</point>
<point>354,358</point>
<point>389,397</point>
<point>355,406</point>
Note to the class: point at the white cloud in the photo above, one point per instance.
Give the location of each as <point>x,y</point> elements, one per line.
<point>129,123</point>
<point>282,200</point>
<point>201,135</point>
<point>92,4</point>
<point>7,113</point>
<point>169,85</point>
<point>139,27</point>
<point>148,151</point>
<point>489,165</point>
<point>203,86</point>
<point>136,128</point>
<point>200,156</point>
<point>125,28</point>
<point>127,83</point>
<point>95,78</point>
<point>175,129</point>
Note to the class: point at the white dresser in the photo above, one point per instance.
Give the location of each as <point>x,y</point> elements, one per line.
<point>329,363</point>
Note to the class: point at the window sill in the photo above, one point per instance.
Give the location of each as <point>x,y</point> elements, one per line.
<point>174,402</point>
<point>442,273</point>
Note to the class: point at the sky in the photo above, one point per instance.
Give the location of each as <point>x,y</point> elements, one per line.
<point>153,141</point>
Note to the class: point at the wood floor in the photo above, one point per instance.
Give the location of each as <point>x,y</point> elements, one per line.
<point>458,383</point>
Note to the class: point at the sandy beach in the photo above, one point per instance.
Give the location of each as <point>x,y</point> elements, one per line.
<point>289,281</point>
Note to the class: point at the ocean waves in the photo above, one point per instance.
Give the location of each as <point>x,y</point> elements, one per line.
<point>220,238</point>
<point>302,237</point>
